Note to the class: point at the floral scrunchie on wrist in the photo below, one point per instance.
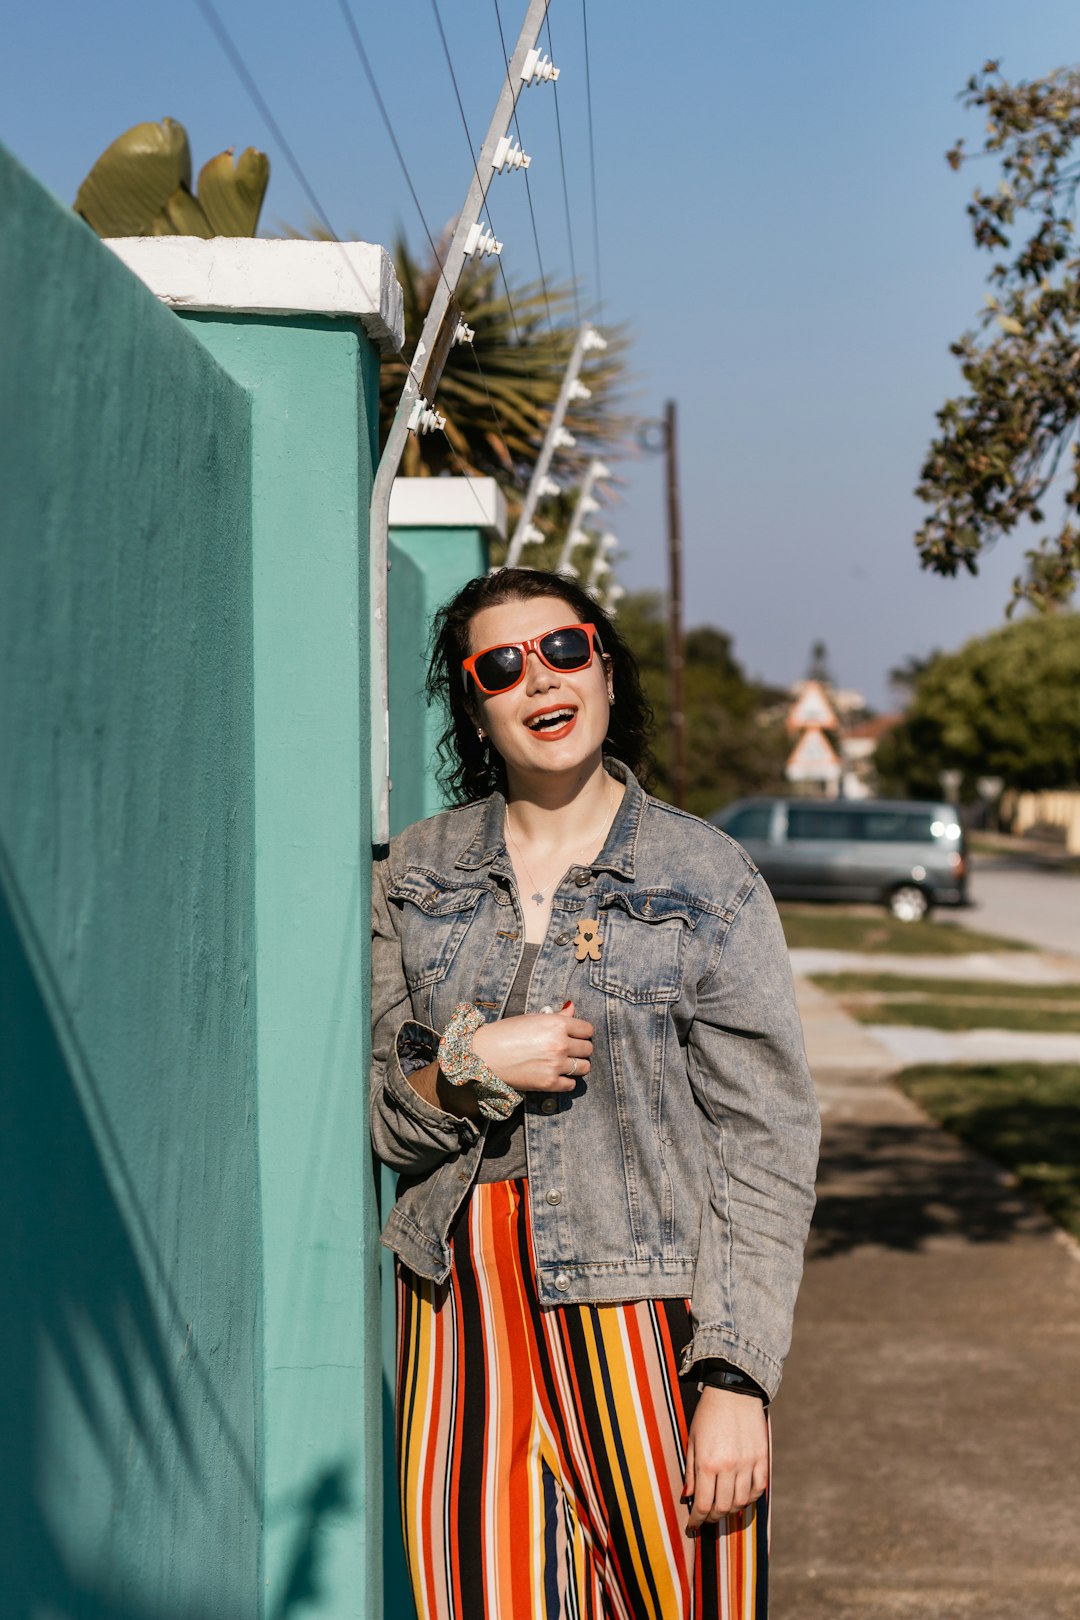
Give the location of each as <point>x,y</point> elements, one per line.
<point>461,1066</point>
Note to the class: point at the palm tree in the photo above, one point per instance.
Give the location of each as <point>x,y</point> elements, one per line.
<point>497,393</point>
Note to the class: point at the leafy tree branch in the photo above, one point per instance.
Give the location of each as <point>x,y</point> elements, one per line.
<point>1009,442</point>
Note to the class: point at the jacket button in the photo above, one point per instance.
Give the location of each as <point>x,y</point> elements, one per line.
<point>562,939</point>
<point>562,1282</point>
<point>549,1105</point>
<point>583,879</point>
<point>554,1196</point>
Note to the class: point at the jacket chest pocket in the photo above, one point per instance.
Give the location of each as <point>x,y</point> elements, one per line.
<point>434,921</point>
<point>642,941</point>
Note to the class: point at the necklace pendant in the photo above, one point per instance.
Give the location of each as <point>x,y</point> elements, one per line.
<point>538,899</point>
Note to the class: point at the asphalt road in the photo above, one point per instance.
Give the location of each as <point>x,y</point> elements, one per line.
<point>1031,903</point>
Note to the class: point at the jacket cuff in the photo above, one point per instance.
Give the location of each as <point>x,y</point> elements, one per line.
<point>415,1046</point>
<point>714,1343</point>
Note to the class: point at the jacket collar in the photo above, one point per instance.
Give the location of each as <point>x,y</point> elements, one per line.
<point>620,846</point>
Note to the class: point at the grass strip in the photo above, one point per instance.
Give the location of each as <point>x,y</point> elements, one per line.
<point>991,990</point>
<point>834,928</point>
<point>958,1015</point>
<point>1024,1115</point>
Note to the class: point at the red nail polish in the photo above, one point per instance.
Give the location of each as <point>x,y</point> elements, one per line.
<point>567,1004</point>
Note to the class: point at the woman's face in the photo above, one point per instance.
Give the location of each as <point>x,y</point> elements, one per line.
<point>512,719</point>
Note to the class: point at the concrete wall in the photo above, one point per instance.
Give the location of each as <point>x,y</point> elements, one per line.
<point>190,1376</point>
<point>1059,807</point>
<point>438,540</point>
<point>440,529</point>
<point>427,567</point>
<point>313,383</point>
<point>130,1354</point>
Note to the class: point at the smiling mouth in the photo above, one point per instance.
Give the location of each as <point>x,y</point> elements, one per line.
<point>552,722</point>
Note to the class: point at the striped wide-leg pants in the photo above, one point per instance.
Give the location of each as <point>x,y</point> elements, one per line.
<point>541,1452</point>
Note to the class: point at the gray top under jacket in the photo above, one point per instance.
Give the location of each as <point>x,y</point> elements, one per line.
<point>504,1147</point>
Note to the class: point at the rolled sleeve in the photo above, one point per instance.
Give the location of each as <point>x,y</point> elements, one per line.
<point>760,1127</point>
<point>408,1133</point>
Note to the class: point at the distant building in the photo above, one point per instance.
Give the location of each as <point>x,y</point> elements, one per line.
<point>858,743</point>
<point>836,737</point>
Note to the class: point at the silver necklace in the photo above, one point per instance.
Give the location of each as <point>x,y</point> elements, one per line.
<point>537,897</point>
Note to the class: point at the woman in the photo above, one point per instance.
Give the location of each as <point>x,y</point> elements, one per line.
<point>589,1070</point>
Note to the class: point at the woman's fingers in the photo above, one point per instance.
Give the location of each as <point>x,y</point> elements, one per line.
<point>579,1028</point>
<point>701,1506</point>
<point>717,1492</point>
<point>729,1437</point>
<point>536,1051</point>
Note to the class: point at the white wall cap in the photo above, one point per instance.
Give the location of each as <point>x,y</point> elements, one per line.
<point>254,276</point>
<point>448,503</point>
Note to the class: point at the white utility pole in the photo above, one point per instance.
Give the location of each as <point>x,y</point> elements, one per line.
<point>575,534</point>
<point>556,438</point>
<point>415,413</point>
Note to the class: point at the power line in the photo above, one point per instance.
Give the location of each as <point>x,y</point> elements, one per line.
<point>506,285</point>
<point>528,188</point>
<point>565,188</point>
<point>472,157</point>
<point>592,161</point>
<point>225,40</point>
<point>358,44</point>
<point>469,477</point>
<point>369,71</point>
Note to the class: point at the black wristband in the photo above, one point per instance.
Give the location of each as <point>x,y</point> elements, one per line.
<point>717,1374</point>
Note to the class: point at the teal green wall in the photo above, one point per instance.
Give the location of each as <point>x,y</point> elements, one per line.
<point>427,566</point>
<point>190,1375</point>
<point>313,387</point>
<point>130,1337</point>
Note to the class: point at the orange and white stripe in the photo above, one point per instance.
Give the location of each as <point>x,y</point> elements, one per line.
<point>541,1451</point>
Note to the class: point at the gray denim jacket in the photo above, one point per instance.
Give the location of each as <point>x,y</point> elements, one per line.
<point>683,1164</point>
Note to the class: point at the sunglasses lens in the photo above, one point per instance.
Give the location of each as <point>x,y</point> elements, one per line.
<point>567,649</point>
<point>498,668</point>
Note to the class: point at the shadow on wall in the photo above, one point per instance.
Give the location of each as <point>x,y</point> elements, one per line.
<point>89,1392</point>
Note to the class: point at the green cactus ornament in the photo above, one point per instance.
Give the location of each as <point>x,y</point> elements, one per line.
<point>141,186</point>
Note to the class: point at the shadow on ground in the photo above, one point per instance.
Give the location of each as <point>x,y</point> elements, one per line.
<point>900,1186</point>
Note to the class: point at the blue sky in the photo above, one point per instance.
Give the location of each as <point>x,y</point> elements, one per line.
<point>777,225</point>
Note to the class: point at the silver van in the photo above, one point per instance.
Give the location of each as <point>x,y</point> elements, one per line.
<point>905,853</point>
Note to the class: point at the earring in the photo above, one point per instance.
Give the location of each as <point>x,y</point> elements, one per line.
<point>480,733</point>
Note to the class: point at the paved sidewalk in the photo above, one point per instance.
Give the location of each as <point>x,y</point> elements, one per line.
<point>912,1043</point>
<point>1005,967</point>
<point>927,1438</point>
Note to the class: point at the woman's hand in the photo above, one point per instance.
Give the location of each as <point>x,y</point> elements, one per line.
<point>727,1456</point>
<point>538,1051</point>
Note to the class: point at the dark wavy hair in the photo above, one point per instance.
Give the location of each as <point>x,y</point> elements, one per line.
<point>470,769</point>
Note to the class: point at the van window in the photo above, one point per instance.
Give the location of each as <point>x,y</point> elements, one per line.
<point>894,826</point>
<point>819,821</point>
<point>753,822</point>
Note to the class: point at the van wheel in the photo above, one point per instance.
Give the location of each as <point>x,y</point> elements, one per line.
<point>909,903</point>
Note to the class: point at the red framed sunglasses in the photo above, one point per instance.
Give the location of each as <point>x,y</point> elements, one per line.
<point>499,669</point>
